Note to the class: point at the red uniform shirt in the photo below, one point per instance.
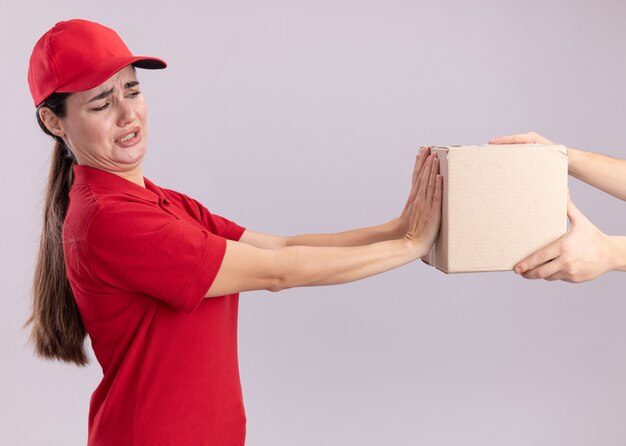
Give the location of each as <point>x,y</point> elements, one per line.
<point>140,261</point>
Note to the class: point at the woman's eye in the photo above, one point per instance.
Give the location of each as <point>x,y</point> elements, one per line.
<point>103,107</point>
<point>134,94</point>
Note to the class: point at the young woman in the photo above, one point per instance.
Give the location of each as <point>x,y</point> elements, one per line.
<point>584,252</point>
<point>150,274</point>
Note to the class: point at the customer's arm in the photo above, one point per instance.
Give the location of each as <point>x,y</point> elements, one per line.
<point>601,171</point>
<point>584,252</point>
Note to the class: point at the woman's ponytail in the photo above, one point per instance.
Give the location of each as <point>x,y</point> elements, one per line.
<point>58,331</point>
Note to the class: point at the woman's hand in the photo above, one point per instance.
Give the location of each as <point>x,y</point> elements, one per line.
<point>405,216</point>
<point>424,205</point>
<point>582,254</point>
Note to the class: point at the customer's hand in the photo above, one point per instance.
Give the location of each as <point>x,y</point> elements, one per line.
<point>522,138</point>
<point>582,254</point>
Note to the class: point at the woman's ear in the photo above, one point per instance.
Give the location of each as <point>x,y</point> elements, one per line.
<point>52,122</point>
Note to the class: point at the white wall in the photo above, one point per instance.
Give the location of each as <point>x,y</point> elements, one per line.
<point>304,116</point>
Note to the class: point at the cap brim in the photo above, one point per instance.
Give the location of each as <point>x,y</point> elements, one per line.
<point>99,73</point>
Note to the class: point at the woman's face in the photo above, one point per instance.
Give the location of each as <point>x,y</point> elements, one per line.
<point>105,127</point>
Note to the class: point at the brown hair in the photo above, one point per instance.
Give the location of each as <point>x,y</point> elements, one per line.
<point>58,331</point>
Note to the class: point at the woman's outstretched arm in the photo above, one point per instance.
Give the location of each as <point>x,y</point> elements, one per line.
<point>246,267</point>
<point>391,230</point>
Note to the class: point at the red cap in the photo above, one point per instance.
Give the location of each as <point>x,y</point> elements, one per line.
<point>78,55</point>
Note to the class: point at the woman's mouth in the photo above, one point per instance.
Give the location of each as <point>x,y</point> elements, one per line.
<point>129,139</point>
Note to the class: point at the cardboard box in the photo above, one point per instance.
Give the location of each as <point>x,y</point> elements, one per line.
<point>500,204</point>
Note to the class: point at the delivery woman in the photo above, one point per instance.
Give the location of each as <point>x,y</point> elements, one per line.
<point>149,273</point>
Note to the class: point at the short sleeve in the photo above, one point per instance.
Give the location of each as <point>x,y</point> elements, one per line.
<point>214,223</point>
<point>139,248</point>
<point>219,225</point>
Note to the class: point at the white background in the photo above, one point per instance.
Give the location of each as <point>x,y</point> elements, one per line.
<point>292,117</point>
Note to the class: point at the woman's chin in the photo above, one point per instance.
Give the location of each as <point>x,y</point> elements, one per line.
<point>131,156</point>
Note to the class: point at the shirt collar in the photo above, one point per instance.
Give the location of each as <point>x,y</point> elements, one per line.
<point>106,180</point>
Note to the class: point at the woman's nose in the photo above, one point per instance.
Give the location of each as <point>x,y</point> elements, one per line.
<point>126,112</point>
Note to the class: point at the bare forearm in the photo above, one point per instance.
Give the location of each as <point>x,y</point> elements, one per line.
<point>619,253</point>
<point>262,262</point>
<point>306,266</point>
<point>601,171</point>
<point>247,268</point>
<point>355,237</point>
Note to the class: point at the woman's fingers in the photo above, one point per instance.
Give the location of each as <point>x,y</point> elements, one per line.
<point>427,182</point>
<point>428,198</point>
<point>432,181</point>
<point>424,178</point>
<point>419,163</point>
<point>419,167</point>
<point>417,170</point>
<point>434,202</point>
<point>438,196</point>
